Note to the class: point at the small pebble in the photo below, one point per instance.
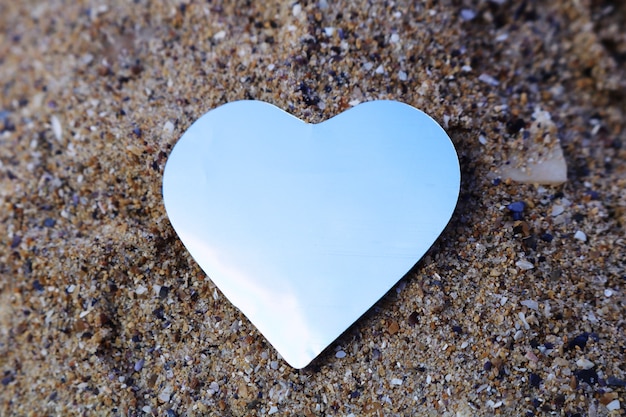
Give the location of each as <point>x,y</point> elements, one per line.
<point>557,210</point>
<point>615,382</point>
<point>396,381</point>
<point>273,410</point>
<point>532,304</point>
<point>139,365</point>
<point>584,363</point>
<point>579,235</point>
<point>468,14</point>
<point>168,127</point>
<point>587,375</point>
<point>213,388</point>
<point>49,222</point>
<point>525,265</point>
<point>165,395</point>
<point>580,341</point>
<point>517,207</point>
<point>488,79</point>
<point>534,380</point>
<point>613,405</point>
<point>340,354</point>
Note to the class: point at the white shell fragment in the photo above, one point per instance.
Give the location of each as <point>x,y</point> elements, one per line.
<point>541,160</point>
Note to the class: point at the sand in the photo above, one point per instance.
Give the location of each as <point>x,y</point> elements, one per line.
<point>512,312</point>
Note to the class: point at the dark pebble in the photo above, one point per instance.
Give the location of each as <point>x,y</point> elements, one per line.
<point>594,195</point>
<point>413,318</point>
<point>49,222</point>
<point>559,400</point>
<point>163,292</point>
<point>518,216</point>
<point>137,132</point>
<point>16,241</point>
<point>517,207</point>
<point>535,380</point>
<point>547,237</point>
<point>457,329</point>
<point>615,382</point>
<point>355,394</point>
<point>589,376</point>
<point>548,345</point>
<point>487,366</point>
<point>515,125</point>
<point>617,143</point>
<point>7,379</point>
<point>530,242</point>
<point>580,341</point>
<point>37,285</point>
<point>159,313</point>
<point>171,413</point>
<point>496,181</point>
<point>376,354</point>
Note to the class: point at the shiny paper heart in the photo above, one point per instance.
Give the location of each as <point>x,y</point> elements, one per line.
<point>305,226</point>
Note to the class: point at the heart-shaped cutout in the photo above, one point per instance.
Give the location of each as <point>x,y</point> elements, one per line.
<point>304,227</point>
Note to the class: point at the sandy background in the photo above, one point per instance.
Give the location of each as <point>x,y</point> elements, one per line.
<point>103,312</point>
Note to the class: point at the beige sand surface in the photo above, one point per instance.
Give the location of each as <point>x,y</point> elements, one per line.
<point>103,312</point>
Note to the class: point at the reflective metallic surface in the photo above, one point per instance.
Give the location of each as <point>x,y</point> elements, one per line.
<point>304,227</point>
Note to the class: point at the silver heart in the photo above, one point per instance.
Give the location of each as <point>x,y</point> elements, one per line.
<point>302,226</point>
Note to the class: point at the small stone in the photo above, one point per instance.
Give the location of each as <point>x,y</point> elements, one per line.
<point>517,207</point>
<point>139,365</point>
<point>580,341</point>
<point>393,327</point>
<point>557,210</point>
<point>168,127</point>
<point>56,128</point>
<point>340,354</point>
<point>468,14</point>
<point>589,376</point>
<point>579,235</point>
<point>613,405</point>
<point>488,79</point>
<point>396,381</point>
<point>615,382</point>
<point>49,222</point>
<point>532,304</point>
<point>584,363</point>
<point>523,264</point>
<point>273,410</point>
<point>165,394</point>
<point>213,388</point>
<point>608,292</point>
<point>534,380</point>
